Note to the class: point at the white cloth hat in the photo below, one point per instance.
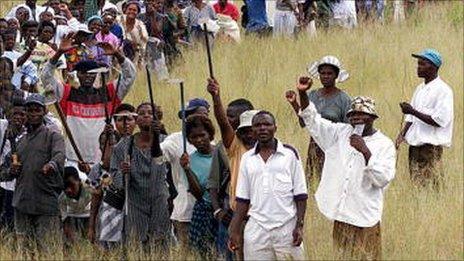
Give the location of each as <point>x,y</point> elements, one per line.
<point>229,27</point>
<point>83,28</point>
<point>45,9</point>
<point>246,118</point>
<point>313,68</point>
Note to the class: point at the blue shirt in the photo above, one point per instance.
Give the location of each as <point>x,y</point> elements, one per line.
<point>116,29</point>
<point>257,18</point>
<point>200,164</point>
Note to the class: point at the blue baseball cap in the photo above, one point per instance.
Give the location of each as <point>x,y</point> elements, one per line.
<point>431,55</point>
<point>194,104</point>
<point>35,98</point>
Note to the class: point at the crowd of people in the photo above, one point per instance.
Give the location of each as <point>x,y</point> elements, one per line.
<point>100,169</point>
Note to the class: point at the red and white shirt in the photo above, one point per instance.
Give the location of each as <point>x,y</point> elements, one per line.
<point>85,109</point>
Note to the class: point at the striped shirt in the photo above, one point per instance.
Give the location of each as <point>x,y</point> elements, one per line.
<point>148,215</point>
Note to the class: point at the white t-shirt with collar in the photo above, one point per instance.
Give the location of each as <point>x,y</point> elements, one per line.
<point>271,187</point>
<point>435,99</point>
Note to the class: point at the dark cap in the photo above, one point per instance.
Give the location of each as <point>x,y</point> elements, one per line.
<point>86,65</point>
<point>194,104</point>
<point>35,98</point>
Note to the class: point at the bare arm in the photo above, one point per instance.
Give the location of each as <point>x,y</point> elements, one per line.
<point>128,70</point>
<point>23,59</point>
<point>425,118</point>
<point>407,108</point>
<point>405,128</point>
<point>227,132</point>
<point>290,95</point>
<point>96,201</point>
<point>241,210</point>
<point>194,185</point>
<point>300,214</point>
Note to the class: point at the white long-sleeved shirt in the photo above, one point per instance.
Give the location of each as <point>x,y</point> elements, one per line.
<point>350,191</point>
<point>184,202</point>
<point>435,99</point>
<point>27,70</point>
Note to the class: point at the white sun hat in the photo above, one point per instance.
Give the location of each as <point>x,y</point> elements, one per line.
<point>313,68</point>
<point>246,118</point>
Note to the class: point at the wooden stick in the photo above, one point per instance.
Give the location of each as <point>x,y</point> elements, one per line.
<point>182,107</point>
<point>155,152</point>
<point>67,130</point>
<point>208,51</point>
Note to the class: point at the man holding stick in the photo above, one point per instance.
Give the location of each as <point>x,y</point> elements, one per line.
<point>37,169</point>
<point>359,165</point>
<point>86,107</point>
<point>429,121</point>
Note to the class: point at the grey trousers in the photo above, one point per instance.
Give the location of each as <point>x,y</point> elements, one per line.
<point>43,232</point>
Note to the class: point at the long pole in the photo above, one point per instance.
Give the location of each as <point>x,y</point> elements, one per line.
<point>154,151</point>
<point>68,131</point>
<point>126,177</point>
<point>105,91</point>
<point>182,107</point>
<point>208,51</point>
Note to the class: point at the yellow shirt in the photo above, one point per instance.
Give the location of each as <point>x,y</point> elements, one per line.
<point>234,152</point>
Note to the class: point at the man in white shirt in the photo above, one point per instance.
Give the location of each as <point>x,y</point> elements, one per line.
<point>429,121</point>
<point>271,188</point>
<point>358,166</point>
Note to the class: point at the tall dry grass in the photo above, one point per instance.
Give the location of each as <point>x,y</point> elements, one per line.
<point>417,224</point>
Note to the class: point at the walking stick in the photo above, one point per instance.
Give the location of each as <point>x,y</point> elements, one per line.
<point>208,52</point>
<point>126,177</point>
<point>105,91</point>
<point>68,130</point>
<point>155,151</point>
<point>182,109</point>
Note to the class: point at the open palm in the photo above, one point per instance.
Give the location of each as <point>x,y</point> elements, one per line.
<point>107,48</point>
<point>67,43</point>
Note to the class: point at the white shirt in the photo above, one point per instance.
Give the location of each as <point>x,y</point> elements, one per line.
<point>271,187</point>
<point>172,150</point>
<point>63,30</point>
<point>28,69</point>
<point>7,185</point>
<point>350,191</point>
<point>434,99</point>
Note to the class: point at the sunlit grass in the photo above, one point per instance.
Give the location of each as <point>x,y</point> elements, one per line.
<point>416,224</point>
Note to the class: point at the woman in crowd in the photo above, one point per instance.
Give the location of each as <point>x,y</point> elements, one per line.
<point>105,35</point>
<point>148,220</point>
<point>330,101</point>
<point>136,33</point>
<point>203,226</point>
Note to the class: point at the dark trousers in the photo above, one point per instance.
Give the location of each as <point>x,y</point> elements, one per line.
<point>425,165</point>
<point>7,211</point>
<point>353,242</point>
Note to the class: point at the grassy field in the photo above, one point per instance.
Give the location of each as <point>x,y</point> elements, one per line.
<point>417,224</point>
